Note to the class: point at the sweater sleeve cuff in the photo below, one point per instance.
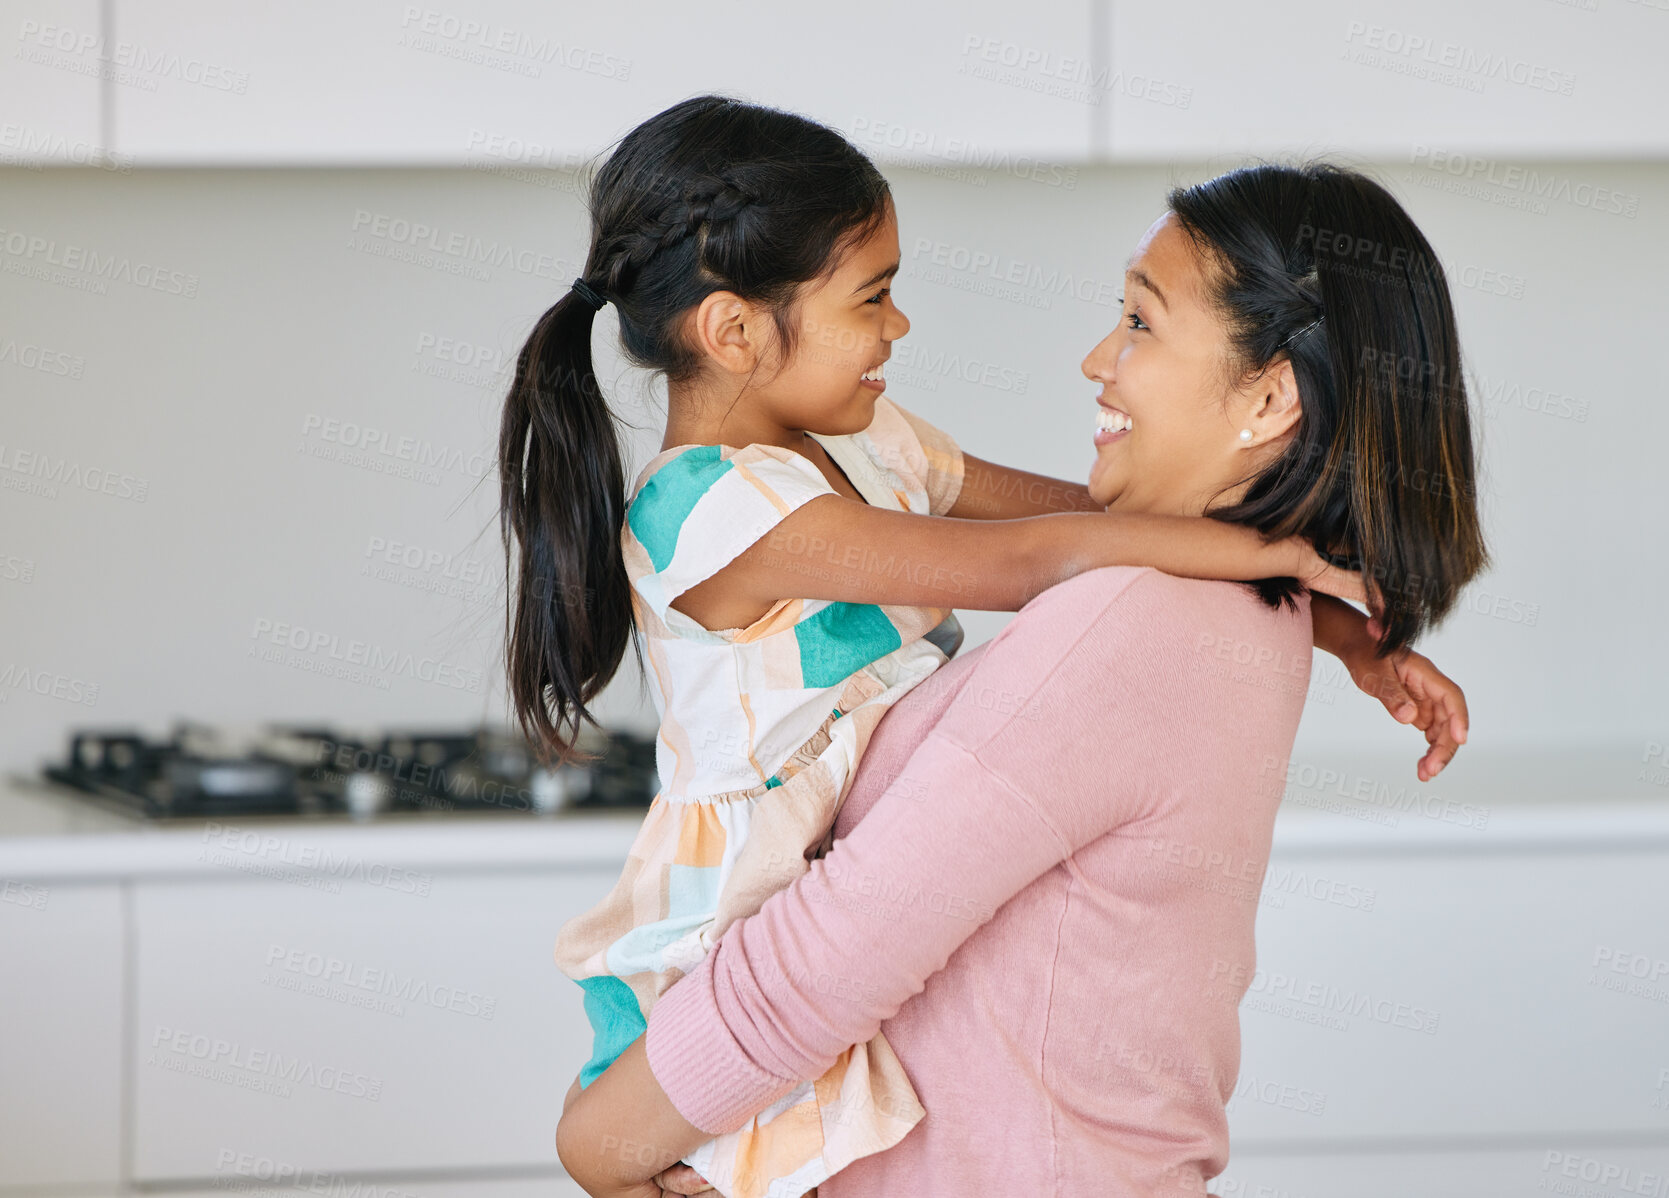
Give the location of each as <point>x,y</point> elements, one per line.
<point>700,1066</point>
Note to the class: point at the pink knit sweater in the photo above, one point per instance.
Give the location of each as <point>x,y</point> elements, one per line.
<point>1043,895</point>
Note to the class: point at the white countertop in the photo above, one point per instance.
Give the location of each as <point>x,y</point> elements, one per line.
<point>1590,798</point>
<point>49,831</point>
<point>1568,802</point>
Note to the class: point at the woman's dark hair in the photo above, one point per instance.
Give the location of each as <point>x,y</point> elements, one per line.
<point>712,194</point>
<point>1320,264</point>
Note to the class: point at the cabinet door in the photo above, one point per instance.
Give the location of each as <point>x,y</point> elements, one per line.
<point>49,86</point>
<point>1463,999</point>
<point>369,1021</point>
<point>1401,80</point>
<point>61,962</point>
<point>521,83</point>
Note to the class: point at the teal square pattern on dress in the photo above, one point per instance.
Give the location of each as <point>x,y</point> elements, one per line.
<point>666,500</point>
<point>842,639</point>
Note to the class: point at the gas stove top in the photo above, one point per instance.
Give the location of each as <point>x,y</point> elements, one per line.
<point>200,771</point>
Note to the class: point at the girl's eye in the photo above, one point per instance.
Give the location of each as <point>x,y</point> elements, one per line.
<point>879,296</point>
<point>1136,322</point>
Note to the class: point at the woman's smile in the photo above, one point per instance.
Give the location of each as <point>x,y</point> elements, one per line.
<point>1111,424</point>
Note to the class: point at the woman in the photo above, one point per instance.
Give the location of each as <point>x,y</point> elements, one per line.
<point>1046,902</point>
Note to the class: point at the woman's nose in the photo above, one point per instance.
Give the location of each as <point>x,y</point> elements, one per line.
<point>1098,364</point>
<point>897,324</point>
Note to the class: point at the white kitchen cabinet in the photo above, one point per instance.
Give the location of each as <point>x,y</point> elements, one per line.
<point>515,82</point>
<point>1533,944</point>
<point>1485,997</point>
<point>49,83</point>
<point>511,84</point>
<point>61,963</point>
<point>352,1023</point>
<point>1422,82</point>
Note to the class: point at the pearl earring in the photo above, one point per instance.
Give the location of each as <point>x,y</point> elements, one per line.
<point>1245,434</point>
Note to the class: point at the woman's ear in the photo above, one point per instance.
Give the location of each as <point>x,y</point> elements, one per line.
<point>724,328</point>
<point>1273,406</point>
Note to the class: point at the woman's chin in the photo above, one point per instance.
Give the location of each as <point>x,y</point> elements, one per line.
<point>1103,487</point>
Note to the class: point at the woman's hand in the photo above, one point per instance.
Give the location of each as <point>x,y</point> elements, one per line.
<point>1415,692</point>
<point>682,1179</point>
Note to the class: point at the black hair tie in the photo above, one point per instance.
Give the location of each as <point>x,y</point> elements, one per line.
<point>584,291</point>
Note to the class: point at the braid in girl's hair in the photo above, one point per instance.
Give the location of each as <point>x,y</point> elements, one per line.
<point>712,194</point>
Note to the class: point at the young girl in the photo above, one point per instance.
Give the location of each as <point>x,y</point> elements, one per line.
<point>791,557</point>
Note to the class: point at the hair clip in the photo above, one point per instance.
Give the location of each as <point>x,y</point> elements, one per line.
<point>1291,337</point>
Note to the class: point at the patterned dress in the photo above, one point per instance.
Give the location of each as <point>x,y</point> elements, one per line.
<point>761,731</point>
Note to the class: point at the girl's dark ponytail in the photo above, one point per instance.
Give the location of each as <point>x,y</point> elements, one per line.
<point>562,502</point>
<point>712,194</point>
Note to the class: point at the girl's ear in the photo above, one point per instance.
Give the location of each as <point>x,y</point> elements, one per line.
<point>726,331</point>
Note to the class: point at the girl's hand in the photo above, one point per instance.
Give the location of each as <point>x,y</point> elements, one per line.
<point>1415,692</point>
<point>1317,573</point>
<point>682,1179</point>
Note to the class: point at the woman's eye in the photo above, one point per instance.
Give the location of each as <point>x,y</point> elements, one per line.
<point>879,296</point>
<point>1136,322</point>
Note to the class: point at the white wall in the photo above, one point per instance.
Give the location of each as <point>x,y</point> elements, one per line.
<point>297,314</point>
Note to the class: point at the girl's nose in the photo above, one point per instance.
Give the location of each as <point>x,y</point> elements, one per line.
<point>897,324</point>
